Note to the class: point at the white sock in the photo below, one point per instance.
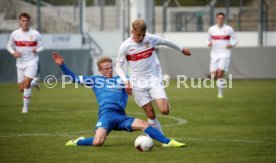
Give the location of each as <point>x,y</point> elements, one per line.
<point>220,85</point>
<point>26,99</point>
<point>155,124</point>
<point>34,82</point>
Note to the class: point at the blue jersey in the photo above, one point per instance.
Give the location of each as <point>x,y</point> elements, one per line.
<point>110,92</point>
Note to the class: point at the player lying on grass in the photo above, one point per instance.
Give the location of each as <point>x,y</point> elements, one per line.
<point>112,100</point>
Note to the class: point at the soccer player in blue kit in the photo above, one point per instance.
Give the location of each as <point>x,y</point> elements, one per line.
<point>112,100</point>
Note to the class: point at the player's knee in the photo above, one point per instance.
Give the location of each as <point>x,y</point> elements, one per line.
<point>165,111</point>
<point>98,142</point>
<point>21,89</point>
<point>220,74</point>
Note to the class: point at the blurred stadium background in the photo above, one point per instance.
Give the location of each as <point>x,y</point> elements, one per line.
<point>83,30</point>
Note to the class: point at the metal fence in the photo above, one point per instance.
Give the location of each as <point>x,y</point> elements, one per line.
<point>77,16</point>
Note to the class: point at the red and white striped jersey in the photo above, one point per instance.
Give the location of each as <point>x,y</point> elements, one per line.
<point>220,37</point>
<point>141,57</point>
<point>24,42</point>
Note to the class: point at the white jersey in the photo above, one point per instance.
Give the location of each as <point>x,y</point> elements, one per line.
<point>220,37</point>
<point>24,42</point>
<point>142,57</point>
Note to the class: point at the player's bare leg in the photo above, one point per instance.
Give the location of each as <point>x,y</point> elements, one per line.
<point>213,75</point>
<point>139,124</point>
<point>27,93</point>
<point>21,87</point>
<point>220,73</point>
<point>99,137</point>
<point>152,120</point>
<point>97,140</point>
<point>148,108</point>
<point>163,105</point>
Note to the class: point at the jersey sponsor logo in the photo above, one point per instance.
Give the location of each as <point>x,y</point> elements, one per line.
<point>140,55</point>
<point>113,86</point>
<point>111,83</point>
<point>221,37</point>
<point>26,43</point>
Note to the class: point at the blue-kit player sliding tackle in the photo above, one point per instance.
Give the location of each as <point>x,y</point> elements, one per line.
<point>112,100</point>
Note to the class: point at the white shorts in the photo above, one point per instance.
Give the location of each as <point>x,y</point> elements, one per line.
<point>219,63</point>
<point>29,70</point>
<point>145,95</point>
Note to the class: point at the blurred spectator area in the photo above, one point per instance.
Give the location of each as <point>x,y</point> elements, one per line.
<point>63,16</point>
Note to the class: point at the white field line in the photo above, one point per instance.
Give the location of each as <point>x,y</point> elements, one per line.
<point>72,134</point>
<point>179,121</point>
<point>228,140</point>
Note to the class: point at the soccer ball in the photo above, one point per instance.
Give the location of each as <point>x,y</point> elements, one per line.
<point>166,77</point>
<point>143,143</point>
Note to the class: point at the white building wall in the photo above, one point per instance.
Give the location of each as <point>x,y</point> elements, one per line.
<point>198,39</point>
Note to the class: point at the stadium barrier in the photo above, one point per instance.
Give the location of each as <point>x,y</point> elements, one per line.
<point>246,63</point>
<point>78,60</point>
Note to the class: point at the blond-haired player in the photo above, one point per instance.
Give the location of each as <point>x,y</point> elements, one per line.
<point>146,75</point>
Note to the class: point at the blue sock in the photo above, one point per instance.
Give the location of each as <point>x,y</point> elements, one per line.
<point>157,135</point>
<point>86,142</point>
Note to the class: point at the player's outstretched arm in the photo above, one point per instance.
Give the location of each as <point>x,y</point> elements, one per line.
<point>161,41</point>
<point>60,61</point>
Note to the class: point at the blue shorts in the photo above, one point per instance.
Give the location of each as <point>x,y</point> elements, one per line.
<point>115,121</point>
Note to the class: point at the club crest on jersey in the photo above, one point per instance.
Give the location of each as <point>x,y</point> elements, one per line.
<point>31,37</point>
<point>99,124</point>
<point>147,44</point>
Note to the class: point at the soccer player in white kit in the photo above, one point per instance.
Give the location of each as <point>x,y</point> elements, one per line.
<point>221,38</point>
<point>25,44</point>
<point>146,75</point>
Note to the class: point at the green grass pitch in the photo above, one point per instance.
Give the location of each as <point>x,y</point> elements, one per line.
<point>239,128</point>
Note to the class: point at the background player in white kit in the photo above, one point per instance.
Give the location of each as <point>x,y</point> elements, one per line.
<point>146,75</point>
<point>25,44</point>
<point>221,38</point>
